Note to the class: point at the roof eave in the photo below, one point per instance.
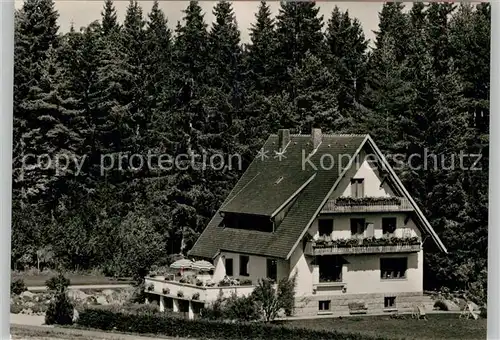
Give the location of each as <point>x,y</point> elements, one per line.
<point>419,212</point>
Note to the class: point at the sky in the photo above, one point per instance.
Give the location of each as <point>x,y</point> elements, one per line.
<point>81,12</point>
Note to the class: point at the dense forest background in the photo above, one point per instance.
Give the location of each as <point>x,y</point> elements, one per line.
<point>137,87</point>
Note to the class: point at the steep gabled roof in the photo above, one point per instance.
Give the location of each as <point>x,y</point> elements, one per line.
<point>269,184</point>
<point>266,193</point>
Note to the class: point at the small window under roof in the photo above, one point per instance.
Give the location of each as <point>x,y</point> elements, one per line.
<point>279,180</point>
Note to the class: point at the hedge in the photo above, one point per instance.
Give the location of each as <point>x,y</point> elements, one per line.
<point>203,329</point>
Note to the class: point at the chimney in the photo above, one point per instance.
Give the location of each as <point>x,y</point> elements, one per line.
<point>316,137</point>
<point>283,138</point>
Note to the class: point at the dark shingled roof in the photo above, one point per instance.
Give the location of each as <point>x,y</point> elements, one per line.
<point>257,192</point>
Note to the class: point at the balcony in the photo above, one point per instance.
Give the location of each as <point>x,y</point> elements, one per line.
<point>163,286</point>
<point>356,246</point>
<point>367,204</point>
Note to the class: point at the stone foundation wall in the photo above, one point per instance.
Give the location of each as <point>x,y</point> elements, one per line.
<point>339,304</point>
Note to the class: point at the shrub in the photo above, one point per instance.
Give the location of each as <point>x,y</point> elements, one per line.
<point>272,301</point>
<point>58,283</point>
<point>60,311</point>
<point>484,312</point>
<point>204,329</point>
<point>440,305</point>
<point>241,308</point>
<point>17,287</point>
<point>16,309</point>
<point>215,310</point>
<point>246,282</point>
<point>139,294</point>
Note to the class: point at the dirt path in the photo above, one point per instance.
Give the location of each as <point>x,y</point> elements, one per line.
<point>24,319</point>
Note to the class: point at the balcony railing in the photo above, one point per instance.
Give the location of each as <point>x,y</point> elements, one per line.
<point>363,246</point>
<point>367,204</point>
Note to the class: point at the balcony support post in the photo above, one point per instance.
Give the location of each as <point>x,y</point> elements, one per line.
<point>190,310</point>
<point>175,305</point>
<point>162,303</point>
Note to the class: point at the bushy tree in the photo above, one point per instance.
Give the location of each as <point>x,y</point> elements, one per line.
<point>271,300</point>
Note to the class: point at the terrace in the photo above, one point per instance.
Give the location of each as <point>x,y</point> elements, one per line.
<point>195,289</point>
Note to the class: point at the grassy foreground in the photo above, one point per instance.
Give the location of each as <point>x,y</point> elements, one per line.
<point>19,332</point>
<point>438,326</point>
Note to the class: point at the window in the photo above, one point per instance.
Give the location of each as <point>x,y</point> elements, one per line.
<point>388,225</point>
<point>389,302</point>
<point>393,268</point>
<point>330,268</point>
<point>229,267</point>
<point>244,265</point>
<point>324,306</point>
<point>357,226</point>
<point>325,227</point>
<point>357,187</point>
<point>272,269</point>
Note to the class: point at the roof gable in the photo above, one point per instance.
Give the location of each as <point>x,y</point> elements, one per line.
<point>279,243</point>
<point>310,183</point>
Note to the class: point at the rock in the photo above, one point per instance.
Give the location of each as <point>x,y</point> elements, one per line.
<point>27,294</point>
<point>101,300</point>
<point>463,304</point>
<point>452,306</point>
<point>108,292</point>
<point>77,295</point>
<point>76,315</point>
<point>27,311</point>
<point>91,300</point>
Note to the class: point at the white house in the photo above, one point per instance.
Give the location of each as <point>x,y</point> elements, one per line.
<point>327,208</point>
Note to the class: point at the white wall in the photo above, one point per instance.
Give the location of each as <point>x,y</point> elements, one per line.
<point>257,267</point>
<point>361,275</point>
<point>367,169</point>
<point>342,224</point>
<point>301,265</point>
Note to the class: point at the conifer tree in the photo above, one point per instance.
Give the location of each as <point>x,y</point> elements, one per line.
<point>298,30</point>
<point>109,18</point>
<point>346,56</point>
<point>315,103</point>
<point>260,81</point>
<point>190,57</point>
<point>393,22</point>
<point>36,34</point>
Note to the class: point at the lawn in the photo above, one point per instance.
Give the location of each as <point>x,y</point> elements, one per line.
<point>32,279</point>
<point>438,326</point>
<point>43,333</point>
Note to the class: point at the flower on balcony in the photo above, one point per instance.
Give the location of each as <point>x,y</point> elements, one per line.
<point>196,296</point>
<point>370,242</point>
<point>150,287</point>
<point>246,282</point>
<point>199,283</point>
<point>180,293</point>
<point>165,291</point>
<point>224,283</point>
<point>357,201</point>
